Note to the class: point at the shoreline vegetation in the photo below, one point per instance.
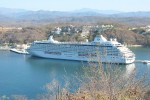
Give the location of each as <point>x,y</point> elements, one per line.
<point>77,32</point>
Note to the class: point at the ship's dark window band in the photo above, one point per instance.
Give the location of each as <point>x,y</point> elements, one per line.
<point>76,45</point>
<point>55,53</point>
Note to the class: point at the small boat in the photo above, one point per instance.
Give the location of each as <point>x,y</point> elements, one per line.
<point>19,51</point>
<point>146,61</point>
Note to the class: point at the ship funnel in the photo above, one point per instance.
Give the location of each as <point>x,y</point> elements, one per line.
<point>100,39</point>
<point>87,40</point>
<point>51,38</point>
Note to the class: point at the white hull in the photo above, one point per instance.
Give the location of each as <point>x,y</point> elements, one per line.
<point>74,56</point>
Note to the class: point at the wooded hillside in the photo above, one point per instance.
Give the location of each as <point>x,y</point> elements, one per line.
<point>75,31</point>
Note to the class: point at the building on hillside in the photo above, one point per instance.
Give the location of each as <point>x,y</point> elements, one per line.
<point>85,31</point>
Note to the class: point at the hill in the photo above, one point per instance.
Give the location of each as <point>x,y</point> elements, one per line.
<point>21,14</point>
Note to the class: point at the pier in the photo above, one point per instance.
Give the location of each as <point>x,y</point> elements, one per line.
<point>142,61</point>
<point>3,48</point>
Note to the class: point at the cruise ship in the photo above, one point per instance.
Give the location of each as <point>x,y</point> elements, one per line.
<point>100,49</point>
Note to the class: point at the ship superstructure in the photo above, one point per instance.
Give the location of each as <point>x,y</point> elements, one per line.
<point>99,49</point>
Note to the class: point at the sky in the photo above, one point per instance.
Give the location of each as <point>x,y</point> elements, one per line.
<point>70,5</point>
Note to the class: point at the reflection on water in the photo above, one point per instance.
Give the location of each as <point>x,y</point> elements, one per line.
<point>56,69</point>
<point>52,65</point>
<point>148,65</point>
<point>130,69</point>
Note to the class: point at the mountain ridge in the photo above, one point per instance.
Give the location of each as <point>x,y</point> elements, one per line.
<point>22,14</point>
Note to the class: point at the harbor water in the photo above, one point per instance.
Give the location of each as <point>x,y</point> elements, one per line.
<point>26,75</point>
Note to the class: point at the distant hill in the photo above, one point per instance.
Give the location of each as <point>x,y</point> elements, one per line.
<point>4,18</point>
<point>7,11</point>
<point>133,14</point>
<point>41,14</point>
<point>106,12</point>
<point>81,15</point>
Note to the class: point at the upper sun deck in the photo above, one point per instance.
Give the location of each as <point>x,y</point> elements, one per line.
<point>98,40</point>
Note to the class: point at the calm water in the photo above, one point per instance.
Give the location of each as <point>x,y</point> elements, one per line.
<point>25,75</point>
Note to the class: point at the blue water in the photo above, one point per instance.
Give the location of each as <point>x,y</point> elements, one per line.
<point>26,75</point>
<point>141,53</point>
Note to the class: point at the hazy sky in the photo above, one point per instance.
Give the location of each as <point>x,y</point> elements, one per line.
<point>68,5</point>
